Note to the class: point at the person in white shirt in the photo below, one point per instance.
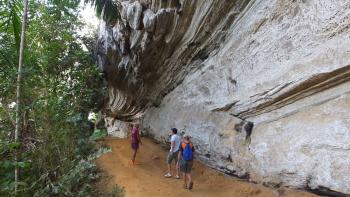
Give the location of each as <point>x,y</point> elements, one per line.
<point>175,141</point>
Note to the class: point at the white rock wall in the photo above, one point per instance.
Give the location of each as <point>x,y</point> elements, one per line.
<point>309,148</point>
<point>285,67</point>
<point>116,128</point>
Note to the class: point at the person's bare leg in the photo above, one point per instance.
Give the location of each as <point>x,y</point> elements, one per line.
<point>169,168</point>
<point>189,177</point>
<point>177,171</point>
<point>185,182</point>
<point>134,156</point>
<point>190,183</point>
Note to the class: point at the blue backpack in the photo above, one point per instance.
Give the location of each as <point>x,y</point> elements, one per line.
<point>187,153</point>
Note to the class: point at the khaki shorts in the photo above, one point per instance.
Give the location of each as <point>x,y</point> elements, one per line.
<point>186,166</point>
<point>171,156</point>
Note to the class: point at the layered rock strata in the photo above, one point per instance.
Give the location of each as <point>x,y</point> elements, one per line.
<point>262,86</point>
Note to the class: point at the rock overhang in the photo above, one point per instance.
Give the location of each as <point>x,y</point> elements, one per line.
<point>281,65</point>
<point>155,44</point>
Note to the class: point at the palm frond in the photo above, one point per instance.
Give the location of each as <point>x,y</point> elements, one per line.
<point>16,25</point>
<point>11,18</point>
<point>106,9</point>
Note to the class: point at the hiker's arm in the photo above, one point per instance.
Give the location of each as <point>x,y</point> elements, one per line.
<point>193,152</point>
<point>130,135</point>
<point>172,145</point>
<point>139,138</point>
<point>179,155</point>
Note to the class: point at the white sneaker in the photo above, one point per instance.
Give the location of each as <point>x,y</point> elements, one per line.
<point>177,177</point>
<point>167,175</point>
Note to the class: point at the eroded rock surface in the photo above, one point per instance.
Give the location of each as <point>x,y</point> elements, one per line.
<point>116,128</point>
<point>262,86</point>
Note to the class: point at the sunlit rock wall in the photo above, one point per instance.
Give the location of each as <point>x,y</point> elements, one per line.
<point>262,86</point>
<point>116,128</point>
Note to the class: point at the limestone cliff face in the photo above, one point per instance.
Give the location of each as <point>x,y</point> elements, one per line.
<point>262,86</point>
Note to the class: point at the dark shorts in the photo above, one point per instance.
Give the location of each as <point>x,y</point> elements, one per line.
<point>186,166</point>
<point>172,156</point>
<point>135,146</point>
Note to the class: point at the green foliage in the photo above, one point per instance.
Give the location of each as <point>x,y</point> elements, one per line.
<point>98,134</point>
<point>106,9</point>
<point>76,181</point>
<point>61,86</point>
<point>116,192</point>
<point>10,19</point>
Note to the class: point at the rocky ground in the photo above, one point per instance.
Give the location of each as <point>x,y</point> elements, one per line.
<point>146,179</point>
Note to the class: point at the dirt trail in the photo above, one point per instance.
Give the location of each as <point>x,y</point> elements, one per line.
<point>146,179</point>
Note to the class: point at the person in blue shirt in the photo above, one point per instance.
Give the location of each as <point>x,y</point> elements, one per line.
<point>185,159</point>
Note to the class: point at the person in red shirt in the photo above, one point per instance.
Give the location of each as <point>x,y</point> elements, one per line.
<point>135,141</point>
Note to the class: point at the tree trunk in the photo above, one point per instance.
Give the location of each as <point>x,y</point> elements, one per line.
<point>19,80</point>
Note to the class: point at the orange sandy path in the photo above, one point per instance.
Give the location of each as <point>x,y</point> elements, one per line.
<point>146,179</point>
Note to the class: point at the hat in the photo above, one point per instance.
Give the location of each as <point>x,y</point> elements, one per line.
<point>187,136</point>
